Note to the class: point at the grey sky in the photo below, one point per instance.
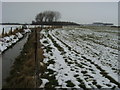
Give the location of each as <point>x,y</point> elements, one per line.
<point>80,12</point>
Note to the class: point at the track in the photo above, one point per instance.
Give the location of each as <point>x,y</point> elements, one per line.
<point>76,70</point>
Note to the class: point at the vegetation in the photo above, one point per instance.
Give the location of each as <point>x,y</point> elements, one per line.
<point>47,16</point>
<point>22,74</point>
<point>69,84</point>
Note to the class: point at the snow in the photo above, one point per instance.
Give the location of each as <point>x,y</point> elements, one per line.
<point>7,41</point>
<point>19,35</point>
<point>44,81</point>
<point>60,63</point>
<point>27,30</point>
<point>90,49</point>
<point>7,28</point>
<point>105,54</point>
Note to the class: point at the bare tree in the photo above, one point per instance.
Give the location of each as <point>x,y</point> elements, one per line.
<point>39,17</point>
<point>57,16</point>
<point>48,16</point>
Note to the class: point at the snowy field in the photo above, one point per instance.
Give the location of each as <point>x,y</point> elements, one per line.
<point>81,58</point>
<point>8,41</point>
<point>7,28</point>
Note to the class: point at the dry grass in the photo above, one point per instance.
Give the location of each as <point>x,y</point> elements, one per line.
<point>23,71</point>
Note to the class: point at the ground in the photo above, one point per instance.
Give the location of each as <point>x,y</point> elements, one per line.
<point>80,57</point>
<point>10,40</point>
<point>68,57</point>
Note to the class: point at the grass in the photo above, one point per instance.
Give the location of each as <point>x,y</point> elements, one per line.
<point>69,48</point>
<point>23,70</point>
<point>52,83</point>
<point>51,61</point>
<point>72,69</point>
<point>84,72</point>
<point>70,63</point>
<point>24,64</point>
<point>76,75</point>
<point>94,82</point>
<point>66,74</point>
<point>108,85</point>
<point>79,65</point>
<point>69,84</point>
<point>98,27</point>
<point>99,86</point>
<point>51,77</point>
<point>103,72</point>
<point>46,42</point>
<point>48,49</point>
<point>56,45</point>
<point>82,85</point>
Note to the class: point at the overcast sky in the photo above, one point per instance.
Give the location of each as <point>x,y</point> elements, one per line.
<point>80,12</point>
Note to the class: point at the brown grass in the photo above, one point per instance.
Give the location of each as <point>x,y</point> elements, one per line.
<point>23,71</point>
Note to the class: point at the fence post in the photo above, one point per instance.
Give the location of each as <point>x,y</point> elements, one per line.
<point>11,28</point>
<point>3,32</point>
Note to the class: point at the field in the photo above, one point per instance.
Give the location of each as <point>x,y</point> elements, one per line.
<point>81,57</point>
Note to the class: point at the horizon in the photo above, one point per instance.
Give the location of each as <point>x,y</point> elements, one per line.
<point>60,21</point>
<point>82,12</point>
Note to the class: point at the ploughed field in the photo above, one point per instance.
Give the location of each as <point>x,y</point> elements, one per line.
<point>80,57</point>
